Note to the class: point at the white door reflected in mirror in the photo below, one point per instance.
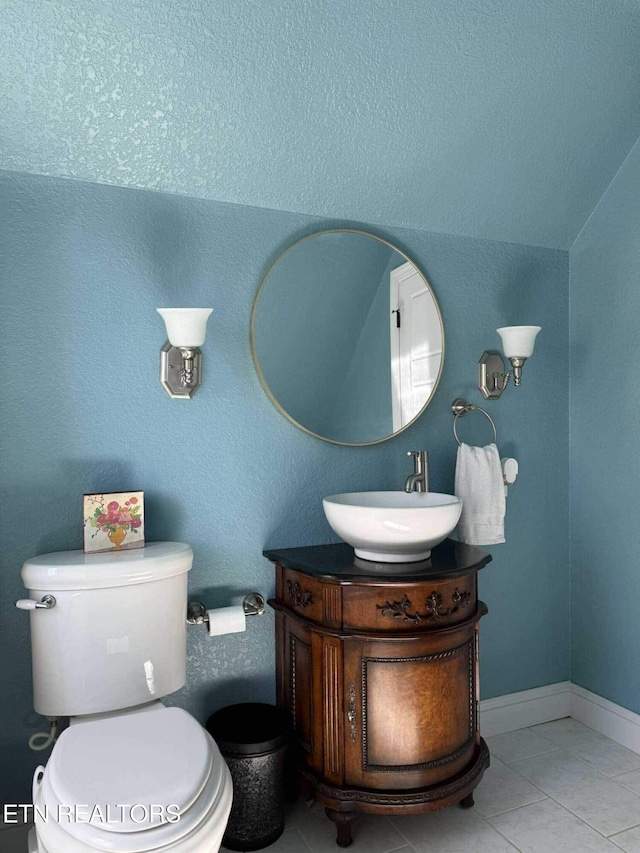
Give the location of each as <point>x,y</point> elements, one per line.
<point>416,344</point>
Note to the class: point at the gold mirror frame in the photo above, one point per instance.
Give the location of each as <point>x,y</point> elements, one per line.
<point>254,354</point>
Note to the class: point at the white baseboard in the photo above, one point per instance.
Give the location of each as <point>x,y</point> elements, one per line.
<point>606,717</point>
<point>526,708</point>
<point>564,699</point>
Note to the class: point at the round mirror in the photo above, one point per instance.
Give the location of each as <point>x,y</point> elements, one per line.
<point>347,337</point>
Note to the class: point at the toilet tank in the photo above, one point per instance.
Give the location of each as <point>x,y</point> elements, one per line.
<point>116,637</point>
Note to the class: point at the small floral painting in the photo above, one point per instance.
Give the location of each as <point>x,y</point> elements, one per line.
<point>113,522</point>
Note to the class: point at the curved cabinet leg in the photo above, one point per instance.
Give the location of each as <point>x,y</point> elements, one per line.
<point>467,802</point>
<point>343,822</point>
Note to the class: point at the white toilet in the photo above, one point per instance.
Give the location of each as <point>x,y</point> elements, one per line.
<point>112,645</point>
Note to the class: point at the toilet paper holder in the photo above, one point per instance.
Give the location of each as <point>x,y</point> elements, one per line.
<point>252,604</point>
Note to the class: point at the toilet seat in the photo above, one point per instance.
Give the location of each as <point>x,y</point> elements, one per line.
<point>150,758</point>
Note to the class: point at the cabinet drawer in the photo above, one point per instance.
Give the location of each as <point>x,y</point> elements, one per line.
<point>303,595</point>
<point>409,607</point>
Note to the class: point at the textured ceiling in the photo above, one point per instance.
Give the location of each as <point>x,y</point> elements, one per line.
<point>502,119</point>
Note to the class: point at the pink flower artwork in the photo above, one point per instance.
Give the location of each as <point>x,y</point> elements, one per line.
<point>114,521</point>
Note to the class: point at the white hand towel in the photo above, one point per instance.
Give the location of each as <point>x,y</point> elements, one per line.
<point>480,485</point>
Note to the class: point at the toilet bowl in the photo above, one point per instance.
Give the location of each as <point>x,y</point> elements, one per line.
<point>132,783</point>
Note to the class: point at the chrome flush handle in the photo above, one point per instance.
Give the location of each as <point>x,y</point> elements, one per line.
<point>45,603</point>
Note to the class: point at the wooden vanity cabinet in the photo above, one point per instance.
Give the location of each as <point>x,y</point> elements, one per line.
<point>378,667</point>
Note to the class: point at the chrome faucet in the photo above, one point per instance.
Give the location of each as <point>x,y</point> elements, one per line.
<point>419,480</point>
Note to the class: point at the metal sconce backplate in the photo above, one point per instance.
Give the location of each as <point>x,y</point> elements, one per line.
<point>490,363</point>
<point>171,364</point>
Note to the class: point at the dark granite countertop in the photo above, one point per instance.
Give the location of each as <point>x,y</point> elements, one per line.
<point>338,562</point>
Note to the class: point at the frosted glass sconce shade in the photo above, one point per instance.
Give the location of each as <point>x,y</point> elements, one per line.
<point>518,341</point>
<point>180,357</point>
<point>517,344</point>
<point>186,327</point>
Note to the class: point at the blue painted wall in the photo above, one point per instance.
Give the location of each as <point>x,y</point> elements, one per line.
<point>500,119</point>
<point>605,457</point>
<point>82,268</point>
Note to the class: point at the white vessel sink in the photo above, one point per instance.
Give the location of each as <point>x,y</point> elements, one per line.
<point>392,527</point>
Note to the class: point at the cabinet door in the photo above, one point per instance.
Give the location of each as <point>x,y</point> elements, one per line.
<point>298,685</point>
<point>411,707</point>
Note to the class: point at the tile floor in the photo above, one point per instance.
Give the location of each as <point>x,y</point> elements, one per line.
<point>555,788</point>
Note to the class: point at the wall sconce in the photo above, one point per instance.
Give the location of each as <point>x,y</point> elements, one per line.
<point>180,357</point>
<point>517,344</point>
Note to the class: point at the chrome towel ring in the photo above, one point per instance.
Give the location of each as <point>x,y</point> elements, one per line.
<point>460,407</point>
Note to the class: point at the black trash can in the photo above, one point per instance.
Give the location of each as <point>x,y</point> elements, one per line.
<point>253,739</point>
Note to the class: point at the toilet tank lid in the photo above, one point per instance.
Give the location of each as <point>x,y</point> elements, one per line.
<point>77,570</point>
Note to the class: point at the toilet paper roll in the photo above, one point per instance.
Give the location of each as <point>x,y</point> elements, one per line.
<point>227,620</point>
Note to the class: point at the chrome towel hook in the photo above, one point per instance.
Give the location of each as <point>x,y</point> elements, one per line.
<point>460,407</point>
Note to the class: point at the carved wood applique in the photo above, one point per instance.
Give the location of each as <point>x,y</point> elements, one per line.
<point>351,714</point>
<point>434,608</point>
<point>300,597</point>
